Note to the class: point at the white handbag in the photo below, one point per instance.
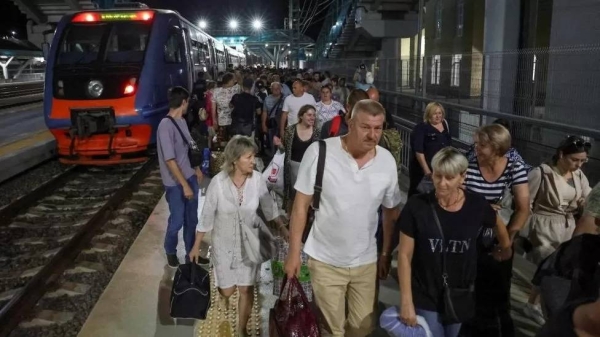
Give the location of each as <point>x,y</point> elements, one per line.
<point>258,244</point>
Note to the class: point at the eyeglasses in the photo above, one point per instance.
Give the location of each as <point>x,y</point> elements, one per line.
<point>578,142</point>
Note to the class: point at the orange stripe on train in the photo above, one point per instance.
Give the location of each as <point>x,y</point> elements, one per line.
<point>61,108</point>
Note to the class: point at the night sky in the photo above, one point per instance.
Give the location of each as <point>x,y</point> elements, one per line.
<point>216,12</point>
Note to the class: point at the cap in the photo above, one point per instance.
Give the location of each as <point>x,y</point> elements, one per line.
<point>592,204</point>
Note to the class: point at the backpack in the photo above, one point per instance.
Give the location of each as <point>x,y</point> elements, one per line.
<point>391,141</point>
<point>572,272</point>
<point>336,122</point>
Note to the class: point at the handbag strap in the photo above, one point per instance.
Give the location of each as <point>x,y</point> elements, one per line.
<point>185,140</point>
<point>439,227</point>
<point>275,107</point>
<point>319,179</point>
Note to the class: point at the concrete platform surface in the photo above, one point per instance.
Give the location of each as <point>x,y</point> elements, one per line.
<point>24,140</point>
<point>136,301</point>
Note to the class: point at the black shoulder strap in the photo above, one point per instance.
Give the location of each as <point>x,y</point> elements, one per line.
<point>274,108</point>
<point>319,178</point>
<point>185,140</point>
<point>439,226</point>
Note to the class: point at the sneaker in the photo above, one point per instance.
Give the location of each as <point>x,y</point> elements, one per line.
<point>172,260</point>
<point>534,312</point>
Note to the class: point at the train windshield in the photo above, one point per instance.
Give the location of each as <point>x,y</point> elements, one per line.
<point>105,43</point>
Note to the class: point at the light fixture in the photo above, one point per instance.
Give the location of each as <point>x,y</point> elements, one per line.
<point>233,24</point>
<point>257,24</point>
<point>203,24</point>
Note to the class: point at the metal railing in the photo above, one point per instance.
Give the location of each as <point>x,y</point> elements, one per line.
<point>546,95</point>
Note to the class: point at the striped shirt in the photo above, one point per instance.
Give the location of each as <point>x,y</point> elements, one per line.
<point>514,174</point>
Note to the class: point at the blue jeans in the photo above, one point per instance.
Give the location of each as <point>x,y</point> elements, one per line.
<point>435,325</point>
<point>184,213</point>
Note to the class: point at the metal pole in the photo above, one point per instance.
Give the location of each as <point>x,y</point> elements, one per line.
<point>419,38</point>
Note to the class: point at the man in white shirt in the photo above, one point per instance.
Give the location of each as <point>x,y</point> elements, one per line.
<point>292,105</point>
<point>359,176</point>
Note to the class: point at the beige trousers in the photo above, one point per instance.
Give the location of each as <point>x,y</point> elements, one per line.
<point>332,285</point>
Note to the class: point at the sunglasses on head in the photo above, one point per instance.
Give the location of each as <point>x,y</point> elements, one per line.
<point>578,142</point>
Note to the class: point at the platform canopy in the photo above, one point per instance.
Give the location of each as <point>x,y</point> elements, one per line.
<point>272,43</point>
<point>11,47</point>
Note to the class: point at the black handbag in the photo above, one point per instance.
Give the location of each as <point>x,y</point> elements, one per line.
<point>194,152</point>
<point>453,297</point>
<point>310,217</point>
<point>190,294</point>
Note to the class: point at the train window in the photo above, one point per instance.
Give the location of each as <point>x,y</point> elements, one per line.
<point>81,44</point>
<point>173,50</point>
<point>127,42</point>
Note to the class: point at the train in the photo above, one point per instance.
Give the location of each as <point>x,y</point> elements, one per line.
<point>107,79</point>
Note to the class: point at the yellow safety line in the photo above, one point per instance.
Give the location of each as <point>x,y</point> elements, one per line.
<point>26,142</point>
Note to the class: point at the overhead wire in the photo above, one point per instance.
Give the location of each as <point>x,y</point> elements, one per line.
<point>307,24</point>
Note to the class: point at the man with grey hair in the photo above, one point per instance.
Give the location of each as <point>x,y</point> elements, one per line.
<point>271,114</point>
<point>358,177</point>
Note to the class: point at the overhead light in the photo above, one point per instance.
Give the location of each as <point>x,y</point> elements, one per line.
<point>233,24</point>
<point>257,24</point>
<point>203,24</point>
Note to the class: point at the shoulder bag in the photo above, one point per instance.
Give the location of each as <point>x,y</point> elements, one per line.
<point>272,118</point>
<point>310,217</point>
<point>258,243</point>
<point>453,297</point>
<point>194,153</point>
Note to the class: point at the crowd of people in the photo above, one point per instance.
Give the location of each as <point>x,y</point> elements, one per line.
<point>455,236</point>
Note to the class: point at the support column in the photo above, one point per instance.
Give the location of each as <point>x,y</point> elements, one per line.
<point>501,33</point>
<point>22,67</point>
<point>4,66</point>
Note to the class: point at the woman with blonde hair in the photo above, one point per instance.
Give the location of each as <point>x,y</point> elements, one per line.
<point>438,235</point>
<point>232,200</point>
<point>499,179</point>
<point>427,138</point>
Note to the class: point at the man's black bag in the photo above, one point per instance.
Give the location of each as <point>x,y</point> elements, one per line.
<point>190,295</point>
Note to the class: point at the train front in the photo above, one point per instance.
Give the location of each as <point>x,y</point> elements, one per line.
<point>93,98</point>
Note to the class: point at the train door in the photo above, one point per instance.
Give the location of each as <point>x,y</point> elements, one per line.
<point>212,63</point>
<point>189,58</point>
<point>176,67</point>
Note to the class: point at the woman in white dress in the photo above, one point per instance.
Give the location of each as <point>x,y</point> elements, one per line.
<point>232,200</point>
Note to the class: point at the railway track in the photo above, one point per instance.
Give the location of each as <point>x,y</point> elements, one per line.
<point>60,244</point>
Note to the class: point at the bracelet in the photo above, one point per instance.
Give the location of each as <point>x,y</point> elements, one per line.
<point>384,254</point>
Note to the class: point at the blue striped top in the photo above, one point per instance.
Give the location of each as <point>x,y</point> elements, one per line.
<point>515,173</point>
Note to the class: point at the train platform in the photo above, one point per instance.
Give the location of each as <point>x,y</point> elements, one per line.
<point>136,301</point>
<point>24,140</point>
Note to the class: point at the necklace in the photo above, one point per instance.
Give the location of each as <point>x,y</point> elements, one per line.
<point>459,197</point>
<point>240,190</point>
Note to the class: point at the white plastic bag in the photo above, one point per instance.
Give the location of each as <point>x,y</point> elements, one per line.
<point>273,174</point>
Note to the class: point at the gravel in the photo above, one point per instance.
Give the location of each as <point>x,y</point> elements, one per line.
<point>27,181</point>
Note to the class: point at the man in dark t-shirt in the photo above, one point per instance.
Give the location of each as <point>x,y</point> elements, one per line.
<point>245,107</point>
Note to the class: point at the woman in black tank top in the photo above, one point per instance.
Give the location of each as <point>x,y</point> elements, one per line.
<point>298,138</point>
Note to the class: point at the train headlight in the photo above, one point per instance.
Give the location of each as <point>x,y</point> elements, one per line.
<point>95,88</point>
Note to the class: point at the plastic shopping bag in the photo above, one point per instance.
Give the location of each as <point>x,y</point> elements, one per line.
<point>273,174</point>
